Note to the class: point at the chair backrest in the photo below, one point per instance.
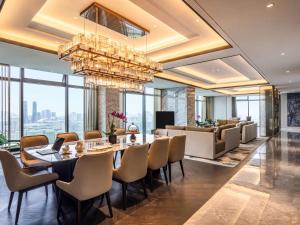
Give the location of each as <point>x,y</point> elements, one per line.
<point>134,163</point>
<point>92,175</point>
<point>69,137</point>
<point>120,131</point>
<point>11,170</point>
<point>176,148</point>
<point>32,141</point>
<point>92,134</point>
<point>158,153</point>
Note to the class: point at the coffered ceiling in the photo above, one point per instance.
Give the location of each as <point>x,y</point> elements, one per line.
<point>204,43</point>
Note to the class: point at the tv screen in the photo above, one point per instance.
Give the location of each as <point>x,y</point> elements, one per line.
<point>164,118</point>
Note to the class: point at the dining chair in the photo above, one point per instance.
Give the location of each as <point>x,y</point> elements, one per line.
<point>92,178</point>
<point>133,168</point>
<point>120,131</point>
<point>33,141</point>
<point>19,180</point>
<point>69,136</point>
<point>176,153</point>
<point>158,158</point>
<point>92,134</point>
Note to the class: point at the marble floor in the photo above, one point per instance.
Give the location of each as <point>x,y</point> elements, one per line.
<point>266,191</point>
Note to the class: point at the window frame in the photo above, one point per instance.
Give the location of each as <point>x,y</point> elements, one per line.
<point>144,94</point>
<point>23,80</point>
<point>248,100</point>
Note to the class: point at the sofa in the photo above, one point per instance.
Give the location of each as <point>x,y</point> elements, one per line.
<point>248,132</point>
<point>205,142</point>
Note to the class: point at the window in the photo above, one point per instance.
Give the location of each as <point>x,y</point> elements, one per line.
<point>248,106</point>
<point>44,103</point>
<point>15,111</point>
<point>42,75</point>
<point>140,108</point>
<point>200,108</point>
<point>134,110</point>
<point>76,111</point>
<point>44,110</point>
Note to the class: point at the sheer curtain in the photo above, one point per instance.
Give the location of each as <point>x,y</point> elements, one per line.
<point>209,107</point>
<point>4,100</point>
<point>91,98</point>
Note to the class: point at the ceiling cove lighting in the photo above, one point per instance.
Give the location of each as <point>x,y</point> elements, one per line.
<point>270,5</point>
<point>106,62</point>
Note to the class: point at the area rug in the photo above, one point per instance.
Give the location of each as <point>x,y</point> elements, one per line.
<point>235,156</point>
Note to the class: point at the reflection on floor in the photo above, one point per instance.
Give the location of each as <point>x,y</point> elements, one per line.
<point>265,191</point>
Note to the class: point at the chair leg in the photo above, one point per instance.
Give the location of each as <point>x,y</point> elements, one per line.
<point>181,165</point>
<point>101,201</point>
<point>165,174</point>
<point>109,204</point>
<point>144,187</point>
<point>170,171</point>
<point>78,214</point>
<point>59,204</point>
<point>10,200</point>
<point>114,161</point>
<point>46,190</point>
<point>124,195</point>
<point>19,206</point>
<point>151,180</point>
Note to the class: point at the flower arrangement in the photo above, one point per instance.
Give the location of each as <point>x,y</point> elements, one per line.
<point>111,121</point>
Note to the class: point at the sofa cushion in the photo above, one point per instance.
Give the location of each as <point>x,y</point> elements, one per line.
<point>171,127</point>
<point>220,146</point>
<point>223,127</point>
<point>200,129</point>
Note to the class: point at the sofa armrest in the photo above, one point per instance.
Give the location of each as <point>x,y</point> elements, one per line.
<point>231,137</point>
<point>249,132</point>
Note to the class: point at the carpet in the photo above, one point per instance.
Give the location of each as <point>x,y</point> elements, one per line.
<point>235,156</point>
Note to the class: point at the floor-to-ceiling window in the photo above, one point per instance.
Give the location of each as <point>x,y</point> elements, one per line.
<point>248,106</point>
<point>140,108</point>
<point>45,103</point>
<point>200,108</point>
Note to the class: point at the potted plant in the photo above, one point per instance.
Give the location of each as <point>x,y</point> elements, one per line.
<point>3,139</point>
<point>112,137</point>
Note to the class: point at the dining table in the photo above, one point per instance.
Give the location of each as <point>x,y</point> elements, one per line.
<point>63,162</point>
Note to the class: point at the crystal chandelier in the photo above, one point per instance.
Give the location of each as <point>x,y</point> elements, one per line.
<point>108,63</point>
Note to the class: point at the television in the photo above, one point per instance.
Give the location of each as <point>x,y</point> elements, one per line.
<point>164,118</point>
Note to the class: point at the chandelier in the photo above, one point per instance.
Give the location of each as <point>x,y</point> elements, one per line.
<point>105,62</point>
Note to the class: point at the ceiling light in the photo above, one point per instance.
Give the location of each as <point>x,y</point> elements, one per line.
<point>75,18</point>
<point>282,53</point>
<point>270,5</point>
<point>154,26</point>
<point>287,71</point>
<point>290,81</point>
<point>197,20</point>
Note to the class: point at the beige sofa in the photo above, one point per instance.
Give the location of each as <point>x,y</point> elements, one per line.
<point>203,142</point>
<point>249,132</point>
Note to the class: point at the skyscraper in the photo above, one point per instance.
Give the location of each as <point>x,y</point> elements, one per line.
<point>34,112</point>
<point>25,112</point>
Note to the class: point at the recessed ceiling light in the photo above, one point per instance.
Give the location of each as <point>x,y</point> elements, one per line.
<point>290,81</point>
<point>75,18</point>
<point>197,20</point>
<point>154,26</point>
<point>270,5</point>
<point>287,71</point>
<point>57,42</point>
<point>282,53</point>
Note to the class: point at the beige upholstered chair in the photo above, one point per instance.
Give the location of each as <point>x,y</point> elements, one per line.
<point>133,168</point>
<point>69,137</point>
<point>120,131</point>
<point>92,134</point>
<point>92,178</point>
<point>176,152</point>
<point>18,180</point>
<point>32,141</point>
<point>158,157</point>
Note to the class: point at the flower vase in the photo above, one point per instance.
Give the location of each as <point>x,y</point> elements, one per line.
<point>112,139</point>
